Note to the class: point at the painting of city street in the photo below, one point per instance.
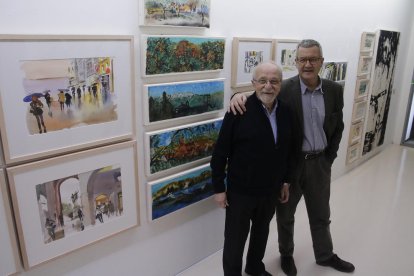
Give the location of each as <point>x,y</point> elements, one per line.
<point>68,93</point>
<point>179,54</point>
<point>79,202</point>
<point>190,13</point>
<point>181,99</point>
<point>178,146</point>
<point>180,191</point>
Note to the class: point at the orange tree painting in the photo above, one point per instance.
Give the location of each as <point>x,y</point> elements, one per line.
<point>181,146</point>
<point>183,54</point>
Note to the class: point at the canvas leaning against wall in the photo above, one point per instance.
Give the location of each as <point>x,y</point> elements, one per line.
<point>171,101</point>
<point>381,89</point>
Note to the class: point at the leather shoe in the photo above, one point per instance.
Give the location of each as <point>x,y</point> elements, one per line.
<point>338,264</point>
<point>288,265</point>
<point>264,273</point>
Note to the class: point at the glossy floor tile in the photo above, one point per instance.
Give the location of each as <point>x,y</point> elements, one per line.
<point>372,225</point>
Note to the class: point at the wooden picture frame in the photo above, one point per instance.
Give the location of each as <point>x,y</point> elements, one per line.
<point>364,65</point>
<point>169,102</point>
<point>286,56</point>
<point>367,42</point>
<point>181,54</point>
<point>355,132</point>
<point>359,110</point>
<point>9,259</point>
<point>362,88</point>
<point>195,14</point>
<point>96,73</point>
<point>68,202</point>
<point>173,193</point>
<point>173,148</point>
<point>353,153</point>
<point>247,53</point>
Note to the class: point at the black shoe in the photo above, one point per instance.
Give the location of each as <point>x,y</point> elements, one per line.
<point>288,265</point>
<point>264,273</point>
<point>338,264</point>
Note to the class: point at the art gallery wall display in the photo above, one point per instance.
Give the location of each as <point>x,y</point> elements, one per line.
<point>353,153</point>
<point>172,101</point>
<point>64,203</point>
<point>64,93</point>
<point>174,147</point>
<point>382,80</point>
<point>247,53</point>
<point>334,71</point>
<point>286,56</point>
<point>178,191</point>
<point>9,257</point>
<point>178,54</point>
<point>367,43</point>
<point>186,13</point>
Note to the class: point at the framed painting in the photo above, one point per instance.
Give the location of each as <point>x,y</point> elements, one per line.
<point>359,111</point>
<point>334,71</point>
<point>64,203</point>
<point>178,191</point>
<point>353,153</point>
<point>367,42</point>
<point>361,88</point>
<point>64,93</point>
<point>174,54</point>
<point>9,257</point>
<point>286,56</point>
<point>174,147</point>
<point>171,101</point>
<point>364,65</point>
<point>355,133</point>
<point>186,13</point>
<point>247,53</point>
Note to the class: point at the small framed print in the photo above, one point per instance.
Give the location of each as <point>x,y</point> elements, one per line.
<point>364,65</point>
<point>247,53</point>
<point>68,202</point>
<point>355,132</point>
<point>362,88</point>
<point>353,153</point>
<point>172,193</point>
<point>367,42</point>
<point>359,110</point>
<point>286,56</point>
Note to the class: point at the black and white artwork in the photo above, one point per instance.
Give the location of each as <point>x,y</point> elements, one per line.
<point>382,82</point>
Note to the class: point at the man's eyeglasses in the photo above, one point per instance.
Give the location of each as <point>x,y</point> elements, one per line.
<point>264,82</point>
<point>312,60</point>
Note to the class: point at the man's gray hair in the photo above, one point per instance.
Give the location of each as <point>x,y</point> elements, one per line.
<point>308,43</point>
<point>279,69</point>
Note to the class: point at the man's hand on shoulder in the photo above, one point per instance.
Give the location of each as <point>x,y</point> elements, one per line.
<point>237,104</point>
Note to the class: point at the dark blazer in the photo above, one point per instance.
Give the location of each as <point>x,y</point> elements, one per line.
<point>333,124</point>
<point>255,164</point>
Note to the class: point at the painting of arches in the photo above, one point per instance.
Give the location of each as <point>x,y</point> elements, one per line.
<point>76,203</point>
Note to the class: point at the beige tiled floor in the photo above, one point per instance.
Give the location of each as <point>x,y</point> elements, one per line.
<point>372,222</point>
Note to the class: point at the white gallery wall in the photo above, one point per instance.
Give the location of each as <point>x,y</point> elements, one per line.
<point>170,245</point>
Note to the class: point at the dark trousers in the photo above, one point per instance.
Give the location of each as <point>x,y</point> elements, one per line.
<point>314,184</point>
<point>241,210</point>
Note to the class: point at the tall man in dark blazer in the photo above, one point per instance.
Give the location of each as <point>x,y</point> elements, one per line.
<point>255,148</point>
<point>316,105</point>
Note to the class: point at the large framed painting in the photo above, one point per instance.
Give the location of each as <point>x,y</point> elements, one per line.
<point>64,203</point>
<point>334,71</point>
<point>64,93</point>
<point>247,53</point>
<point>178,191</point>
<point>364,66</point>
<point>175,54</point>
<point>172,148</point>
<point>381,89</point>
<point>286,56</point>
<point>184,13</point>
<point>367,43</point>
<point>355,132</point>
<point>361,88</point>
<point>9,257</point>
<point>359,110</point>
<point>171,101</point>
